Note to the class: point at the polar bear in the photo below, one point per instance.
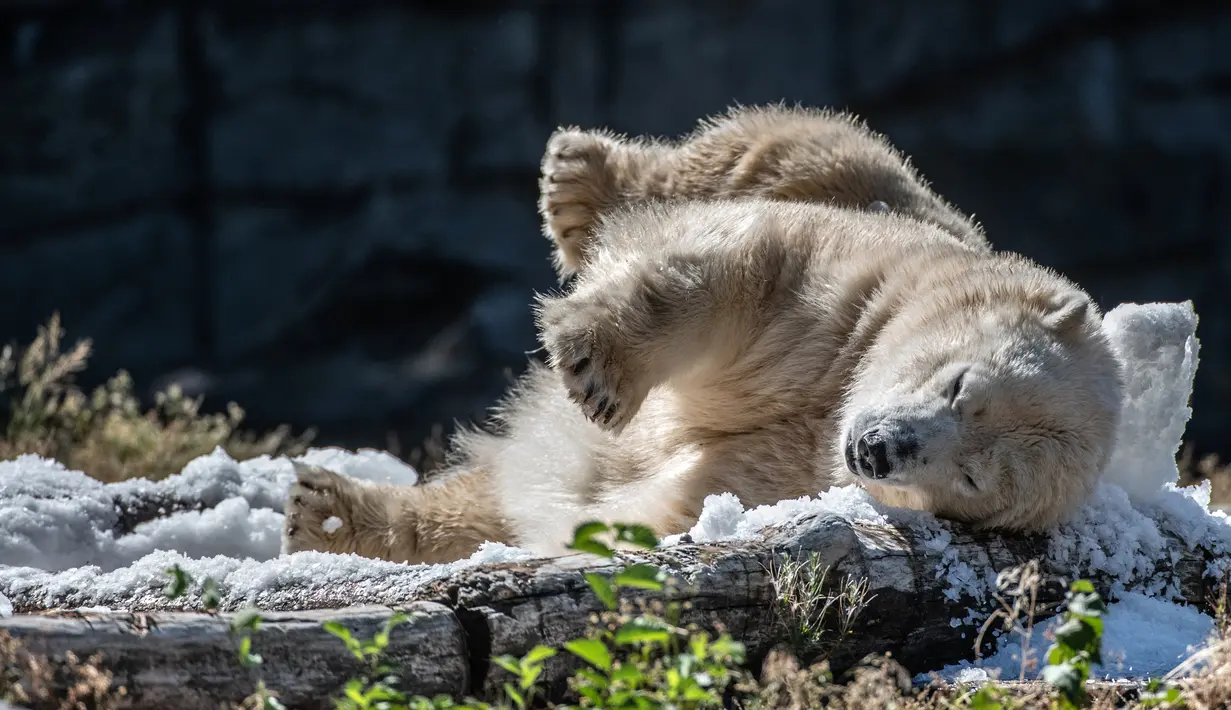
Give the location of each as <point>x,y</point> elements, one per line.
<point>792,154</point>
<point>770,349</point>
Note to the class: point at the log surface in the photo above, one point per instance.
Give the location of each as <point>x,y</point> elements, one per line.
<point>188,659</point>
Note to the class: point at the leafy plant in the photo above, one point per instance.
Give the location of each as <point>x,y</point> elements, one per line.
<point>1077,646</point>
<point>645,660</point>
<point>526,670</point>
<point>377,688</point>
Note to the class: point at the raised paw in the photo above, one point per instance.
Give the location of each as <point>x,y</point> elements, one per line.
<point>594,365</point>
<point>576,185</point>
<point>318,511</point>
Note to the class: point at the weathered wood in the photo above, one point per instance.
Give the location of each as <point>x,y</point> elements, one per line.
<point>495,609</point>
<point>909,613</point>
<point>188,660</point>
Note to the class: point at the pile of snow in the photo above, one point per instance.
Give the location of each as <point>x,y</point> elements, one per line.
<point>71,542</point>
<point>66,540</point>
<point>1158,345</point>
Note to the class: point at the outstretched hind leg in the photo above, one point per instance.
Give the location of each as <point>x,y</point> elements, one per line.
<point>584,174</point>
<point>431,523</point>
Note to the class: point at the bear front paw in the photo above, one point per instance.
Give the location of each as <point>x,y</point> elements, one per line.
<point>575,187</point>
<point>592,362</point>
<point>318,511</point>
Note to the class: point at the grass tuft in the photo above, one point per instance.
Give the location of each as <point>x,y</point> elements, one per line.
<point>106,433</point>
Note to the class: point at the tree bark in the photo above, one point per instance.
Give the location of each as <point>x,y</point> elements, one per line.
<point>187,659</point>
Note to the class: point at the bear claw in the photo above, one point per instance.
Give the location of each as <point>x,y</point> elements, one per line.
<point>573,185</point>
<point>316,495</point>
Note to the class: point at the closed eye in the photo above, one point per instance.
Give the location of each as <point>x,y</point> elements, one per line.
<point>955,388</point>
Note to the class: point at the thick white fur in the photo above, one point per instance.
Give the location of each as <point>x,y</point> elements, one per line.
<point>738,346</point>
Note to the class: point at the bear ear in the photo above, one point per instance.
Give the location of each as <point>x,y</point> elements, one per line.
<point>1066,311</point>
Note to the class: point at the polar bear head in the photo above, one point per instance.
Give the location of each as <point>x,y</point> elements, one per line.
<point>995,402</point>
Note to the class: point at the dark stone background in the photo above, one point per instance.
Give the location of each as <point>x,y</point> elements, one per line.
<point>326,210</point>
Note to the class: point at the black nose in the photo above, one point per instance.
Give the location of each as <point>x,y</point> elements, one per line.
<point>873,454</point>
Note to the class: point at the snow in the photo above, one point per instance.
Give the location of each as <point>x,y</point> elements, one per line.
<point>69,541</point>
<point>331,524</point>
<point>1144,637</point>
<point>56,519</point>
<point>1158,344</point>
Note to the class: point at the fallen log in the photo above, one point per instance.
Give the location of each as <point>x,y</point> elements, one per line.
<point>914,610</point>
<point>189,660</point>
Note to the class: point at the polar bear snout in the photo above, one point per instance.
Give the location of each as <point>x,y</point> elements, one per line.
<point>872,455</point>
<point>880,451</point>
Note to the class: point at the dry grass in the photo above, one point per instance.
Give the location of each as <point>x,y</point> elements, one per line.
<point>106,433</point>
<point>815,618</point>
<point>68,683</point>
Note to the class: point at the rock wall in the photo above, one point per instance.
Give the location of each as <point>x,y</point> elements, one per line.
<point>325,210</point>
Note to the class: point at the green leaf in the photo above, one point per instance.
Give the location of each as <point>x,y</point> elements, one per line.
<point>1082,585</point>
<point>1067,679</point>
<point>589,529</point>
<point>726,646</point>
<point>352,644</point>
<point>1087,606</point>
<point>508,663</point>
<point>380,641</point>
<point>583,539</point>
<point>247,658</point>
<point>591,651</point>
<point>628,674</point>
<point>602,589</point>
<point>696,693</point>
<point>337,629</point>
<point>516,696</point>
<point>392,622</point>
<point>1059,653</point>
<point>641,575</point>
<point>180,580</point>
<point>538,654</point>
<point>593,547</point>
<point>246,619</point>
<point>271,703</point>
<point>1158,692</point>
<point>635,534</point>
<point>383,692</point>
<point>642,630</point>
<point>986,698</point>
<point>529,675</point>
<point>210,596</point>
<point>1077,634</point>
